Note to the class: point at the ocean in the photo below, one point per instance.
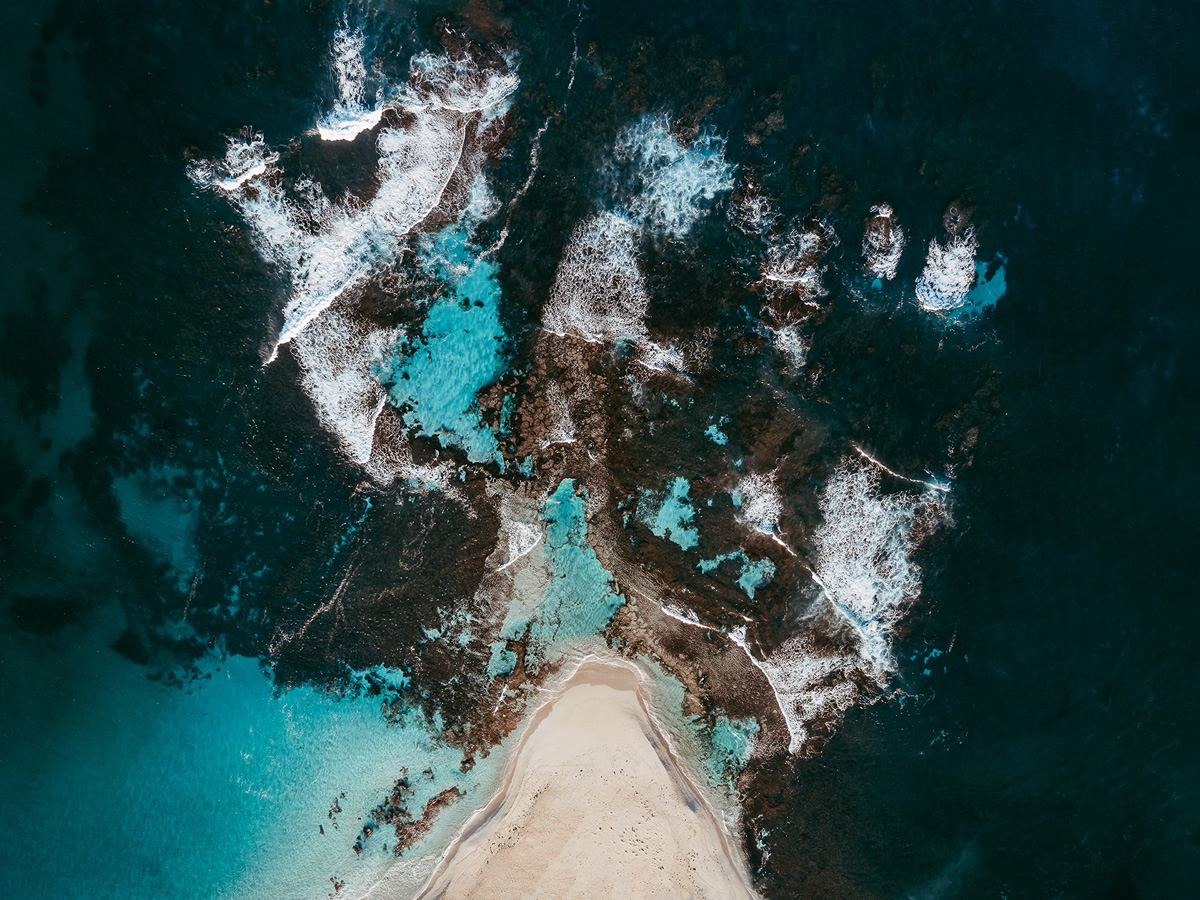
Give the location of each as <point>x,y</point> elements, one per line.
<point>365,365</point>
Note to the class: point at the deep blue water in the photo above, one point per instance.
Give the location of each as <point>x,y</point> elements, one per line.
<point>632,356</point>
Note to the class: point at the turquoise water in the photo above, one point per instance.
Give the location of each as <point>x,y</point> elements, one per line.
<point>716,435</point>
<point>752,575</point>
<point>986,293</point>
<point>732,741</point>
<point>720,748</point>
<point>579,597</point>
<point>153,463</point>
<point>755,575</point>
<point>709,565</point>
<point>671,516</point>
<point>460,350</point>
<point>219,788</point>
<point>502,660</point>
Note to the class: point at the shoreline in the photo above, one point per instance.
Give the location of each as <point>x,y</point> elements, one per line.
<point>594,799</point>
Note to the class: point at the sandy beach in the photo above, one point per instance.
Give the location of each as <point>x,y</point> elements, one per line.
<point>593,804</point>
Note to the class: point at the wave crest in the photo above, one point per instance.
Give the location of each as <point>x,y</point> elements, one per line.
<point>327,247</point>
<point>350,115</point>
<point>883,242</point>
<point>673,185</point>
<point>599,291</point>
<point>949,272</point>
<point>865,568</point>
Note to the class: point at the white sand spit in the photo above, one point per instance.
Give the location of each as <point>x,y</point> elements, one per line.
<point>594,804</point>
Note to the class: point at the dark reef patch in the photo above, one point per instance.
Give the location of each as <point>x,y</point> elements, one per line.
<point>46,616</point>
<point>32,354</point>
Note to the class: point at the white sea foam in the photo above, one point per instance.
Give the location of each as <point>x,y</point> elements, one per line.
<point>599,292</point>
<point>865,568</point>
<point>686,616</point>
<point>338,360</point>
<point>794,344</point>
<point>328,246</point>
<point>246,157</point>
<point>522,537</point>
<point>791,279</point>
<point>562,426</point>
<point>460,83</point>
<point>660,358</point>
<point>753,214</point>
<point>883,242</point>
<point>350,115</point>
<point>392,460</point>
<point>864,553</point>
<point>792,264</point>
<point>674,184</point>
<point>761,501</point>
<point>809,686</point>
<point>949,272</point>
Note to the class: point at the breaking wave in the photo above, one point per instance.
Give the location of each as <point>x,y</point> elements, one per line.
<point>809,686</point>
<point>459,83</point>
<point>350,115</point>
<point>791,270</point>
<point>662,187</point>
<point>792,265</point>
<point>864,565</point>
<point>599,291</point>
<point>949,272</point>
<point>327,247</point>
<point>672,185</point>
<point>883,242</point>
<point>760,501</point>
<point>338,360</point>
<point>864,547</point>
<point>752,212</point>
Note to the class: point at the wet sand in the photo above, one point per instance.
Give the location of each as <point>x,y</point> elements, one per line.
<point>593,804</point>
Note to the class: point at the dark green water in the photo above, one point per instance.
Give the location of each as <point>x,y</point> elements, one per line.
<point>156,473</point>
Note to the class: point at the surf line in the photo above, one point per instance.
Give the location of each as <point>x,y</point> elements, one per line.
<point>522,554</point>
<point>943,488</point>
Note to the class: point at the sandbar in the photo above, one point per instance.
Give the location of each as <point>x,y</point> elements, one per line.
<point>593,804</point>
